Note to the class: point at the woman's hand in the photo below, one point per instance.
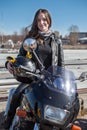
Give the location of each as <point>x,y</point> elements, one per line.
<point>9,67</point>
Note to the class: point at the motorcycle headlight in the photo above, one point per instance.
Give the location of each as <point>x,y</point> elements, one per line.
<point>56,115</point>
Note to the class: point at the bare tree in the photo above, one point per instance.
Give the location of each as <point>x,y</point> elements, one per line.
<point>73,28</point>
<point>23,31</point>
<point>14,37</point>
<point>73,34</point>
<point>56,32</point>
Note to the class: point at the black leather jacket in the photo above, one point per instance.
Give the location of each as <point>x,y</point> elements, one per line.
<point>57,50</point>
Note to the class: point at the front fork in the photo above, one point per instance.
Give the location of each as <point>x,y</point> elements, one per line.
<point>37,126</point>
<point>14,125</point>
<point>12,91</point>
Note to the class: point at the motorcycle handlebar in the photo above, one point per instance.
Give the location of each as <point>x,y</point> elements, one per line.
<point>38,75</point>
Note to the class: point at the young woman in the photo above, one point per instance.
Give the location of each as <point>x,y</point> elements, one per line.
<point>49,50</point>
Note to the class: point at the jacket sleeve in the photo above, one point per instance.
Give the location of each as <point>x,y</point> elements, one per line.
<point>60,53</point>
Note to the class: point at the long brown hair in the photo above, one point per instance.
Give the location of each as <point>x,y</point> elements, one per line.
<point>34,28</point>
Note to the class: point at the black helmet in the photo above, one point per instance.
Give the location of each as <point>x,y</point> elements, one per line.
<point>20,74</point>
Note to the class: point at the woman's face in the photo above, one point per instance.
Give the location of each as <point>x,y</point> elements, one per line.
<point>42,22</point>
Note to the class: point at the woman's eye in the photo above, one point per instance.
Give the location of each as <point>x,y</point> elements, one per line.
<point>44,19</point>
<point>39,20</point>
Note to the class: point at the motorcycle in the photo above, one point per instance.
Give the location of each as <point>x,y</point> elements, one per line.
<point>50,102</point>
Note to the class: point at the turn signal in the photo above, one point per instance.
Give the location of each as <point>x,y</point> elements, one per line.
<point>21,113</point>
<point>75,127</point>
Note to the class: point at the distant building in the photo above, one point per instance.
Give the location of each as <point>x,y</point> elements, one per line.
<point>65,40</point>
<point>79,37</point>
<point>82,39</point>
<point>82,34</point>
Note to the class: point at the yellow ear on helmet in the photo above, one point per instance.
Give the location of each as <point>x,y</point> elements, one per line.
<point>28,55</point>
<point>11,59</point>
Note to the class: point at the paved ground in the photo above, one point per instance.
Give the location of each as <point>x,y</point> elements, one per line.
<point>2,109</point>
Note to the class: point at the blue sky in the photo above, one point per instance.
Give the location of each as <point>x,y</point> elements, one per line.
<point>16,14</point>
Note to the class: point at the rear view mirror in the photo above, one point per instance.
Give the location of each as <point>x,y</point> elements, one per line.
<point>83,76</point>
<point>29,44</point>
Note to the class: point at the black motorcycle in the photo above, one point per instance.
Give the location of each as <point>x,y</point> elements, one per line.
<point>50,101</point>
